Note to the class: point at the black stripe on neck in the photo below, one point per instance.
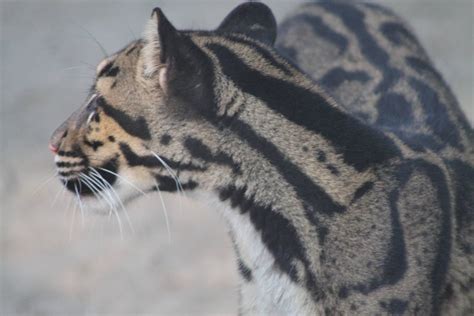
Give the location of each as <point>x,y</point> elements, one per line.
<point>360,145</point>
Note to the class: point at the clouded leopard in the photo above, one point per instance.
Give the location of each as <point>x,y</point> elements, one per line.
<point>338,157</point>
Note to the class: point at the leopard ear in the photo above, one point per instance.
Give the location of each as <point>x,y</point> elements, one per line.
<point>252,19</point>
<point>161,39</point>
<point>171,57</point>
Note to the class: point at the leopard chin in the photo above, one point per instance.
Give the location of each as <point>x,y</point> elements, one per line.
<point>110,201</point>
<point>104,189</point>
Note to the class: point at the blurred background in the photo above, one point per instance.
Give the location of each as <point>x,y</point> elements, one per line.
<point>55,263</point>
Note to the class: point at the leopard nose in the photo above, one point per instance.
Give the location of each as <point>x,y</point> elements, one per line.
<point>54,149</point>
<point>57,138</point>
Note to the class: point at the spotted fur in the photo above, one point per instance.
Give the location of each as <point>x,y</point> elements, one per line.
<point>340,159</point>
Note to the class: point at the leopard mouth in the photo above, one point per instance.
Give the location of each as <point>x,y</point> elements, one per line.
<point>91,180</point>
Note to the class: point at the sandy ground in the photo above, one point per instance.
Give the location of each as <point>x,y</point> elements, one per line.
<point>55,263</point>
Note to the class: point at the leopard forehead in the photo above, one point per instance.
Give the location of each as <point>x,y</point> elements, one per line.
<point>116,75</point>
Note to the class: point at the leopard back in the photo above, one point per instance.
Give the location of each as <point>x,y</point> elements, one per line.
<point>370,60</point>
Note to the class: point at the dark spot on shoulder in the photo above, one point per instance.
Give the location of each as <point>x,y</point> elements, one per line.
<point>321,156</point>
<point>343,292</point>
<point>335,77</point>
<point>421,66</point>
<point>111,138</point>
<point>354,19</point>
<point>305,149</point>
<point>420,142</point>
<point>397,33</point>
<point>333,169</point>
<point>363,189</point>
<point>393,111</point>
<point>395,306</point>
<point>165,139</point>
<point>436,113</point>
<point>320,28</point>
<point>448,292</point>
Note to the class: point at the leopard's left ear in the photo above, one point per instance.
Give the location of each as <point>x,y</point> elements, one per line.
<point>161,42</point>
<point>252,19</point>
<point>175,62</point>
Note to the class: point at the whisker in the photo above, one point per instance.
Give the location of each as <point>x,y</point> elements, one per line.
<point>74,67</point>
<point>102,183</point>
<point>94,39</point>
<point>70,199</point>
<point>80,203</point>
<point>179,187</point>
<point>87,64</point>
<point>44,183</point>
<point>143,193</point>
<point>110,215</point>
<point>94,185</point>
<point>102,190</point>
<point>97,193</point>
<point>73,219</point>
<point>68,206</point>
<point>106,197</point>
<point>165,212</point>
<point>116,195</point>
<point>59,193</point>
<point>124,179</point>
<point>131,32</point>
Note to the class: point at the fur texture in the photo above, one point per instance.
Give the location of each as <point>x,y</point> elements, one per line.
<point>345,170</point>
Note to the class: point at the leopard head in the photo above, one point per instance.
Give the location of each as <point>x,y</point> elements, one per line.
<point>137,130</point>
